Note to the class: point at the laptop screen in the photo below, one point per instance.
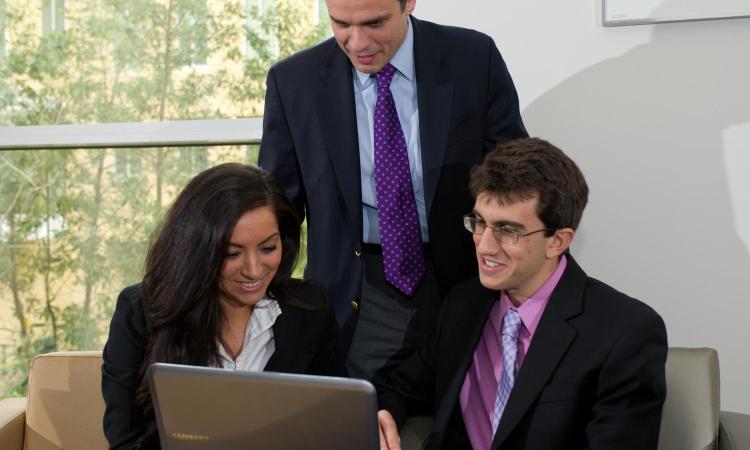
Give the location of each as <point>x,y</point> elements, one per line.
<point>211,408</point>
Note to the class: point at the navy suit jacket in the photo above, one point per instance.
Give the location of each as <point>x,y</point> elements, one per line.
<point>467,103</point>
<point>593,377</point>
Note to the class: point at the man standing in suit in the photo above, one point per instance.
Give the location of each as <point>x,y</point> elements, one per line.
<point>373,134</point>
<point>532,354</point>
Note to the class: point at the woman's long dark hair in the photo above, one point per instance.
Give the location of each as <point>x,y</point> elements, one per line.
<point>180,289</point>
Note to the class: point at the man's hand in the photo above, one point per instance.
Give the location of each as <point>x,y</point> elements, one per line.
<point>389,439</point>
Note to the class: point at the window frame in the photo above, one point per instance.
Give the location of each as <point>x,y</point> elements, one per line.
<point>208,132</point>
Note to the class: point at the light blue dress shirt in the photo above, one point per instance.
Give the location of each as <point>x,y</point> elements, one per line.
<point>404,90</point>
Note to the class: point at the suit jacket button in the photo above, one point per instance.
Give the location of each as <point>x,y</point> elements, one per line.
<point>355,305</point>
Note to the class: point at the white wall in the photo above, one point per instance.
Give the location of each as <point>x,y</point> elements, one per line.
<point>658,118</point>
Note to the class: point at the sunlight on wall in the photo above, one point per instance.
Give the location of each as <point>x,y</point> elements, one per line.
<point>737,161</point>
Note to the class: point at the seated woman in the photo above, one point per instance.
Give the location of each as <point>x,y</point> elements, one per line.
<point>217,291</point>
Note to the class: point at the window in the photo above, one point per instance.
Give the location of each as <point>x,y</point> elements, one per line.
<point>322,12</point>
<point>53,16</point>
<point>192,32</point>
<point>127,164</point>
<point>102,61</point>
<point>2,30</point>
<point>110,106</point>
<point>74,232</point>
<point>258,32</point>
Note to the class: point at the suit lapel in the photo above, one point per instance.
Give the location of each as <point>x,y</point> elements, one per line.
<point>338,121</point>
<point>434,98</point>
<point>285,336</point>
<point>475,314</point>
<point>551,340</point>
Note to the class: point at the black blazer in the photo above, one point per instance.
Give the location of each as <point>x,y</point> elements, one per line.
<point>305,341</point>
<point>467,103</point>
<point>593,377</point>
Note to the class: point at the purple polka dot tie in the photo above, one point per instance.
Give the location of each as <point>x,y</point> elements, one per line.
<point>400,235</point>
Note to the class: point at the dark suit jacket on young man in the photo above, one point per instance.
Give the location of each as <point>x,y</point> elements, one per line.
<point>305,342</point>
<point>467,103</point>
<point>593,376</point>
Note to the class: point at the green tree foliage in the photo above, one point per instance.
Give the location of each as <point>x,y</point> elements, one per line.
<point>75,224</point>
<point>271,35</point>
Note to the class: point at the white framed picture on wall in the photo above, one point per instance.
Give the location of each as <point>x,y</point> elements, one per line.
<point>637,12</point>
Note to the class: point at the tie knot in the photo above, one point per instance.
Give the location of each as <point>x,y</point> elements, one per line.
<point>385,76</point>
<point>511,324</point>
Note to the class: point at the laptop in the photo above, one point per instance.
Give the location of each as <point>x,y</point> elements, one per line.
<point>212,408</point>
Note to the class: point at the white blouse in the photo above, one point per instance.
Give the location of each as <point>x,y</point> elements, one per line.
<point>258,345</point>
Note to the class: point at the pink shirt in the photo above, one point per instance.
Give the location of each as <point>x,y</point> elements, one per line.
<point>479,390</point>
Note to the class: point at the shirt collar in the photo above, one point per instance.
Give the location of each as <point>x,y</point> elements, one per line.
<point>403,61</point>
<point>264,316</point>
<point>531,310</point>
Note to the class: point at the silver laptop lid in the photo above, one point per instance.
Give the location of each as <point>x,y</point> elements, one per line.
<point>211,408</point>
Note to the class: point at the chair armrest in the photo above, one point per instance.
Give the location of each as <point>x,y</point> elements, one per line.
<point>414,432</point>
<point>734,431</point>
<point>12,423</point>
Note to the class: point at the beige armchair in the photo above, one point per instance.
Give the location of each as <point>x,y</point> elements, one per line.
<point>691,419</point>
<point>64,406</point>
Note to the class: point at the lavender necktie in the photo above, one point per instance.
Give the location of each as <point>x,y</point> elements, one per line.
<point>400,235</point>
<point>511,328</point>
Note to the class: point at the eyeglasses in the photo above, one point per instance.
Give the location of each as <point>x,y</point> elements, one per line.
<point>503,235</point>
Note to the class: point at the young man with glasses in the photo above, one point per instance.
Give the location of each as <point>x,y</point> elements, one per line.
<point>532,354</point>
